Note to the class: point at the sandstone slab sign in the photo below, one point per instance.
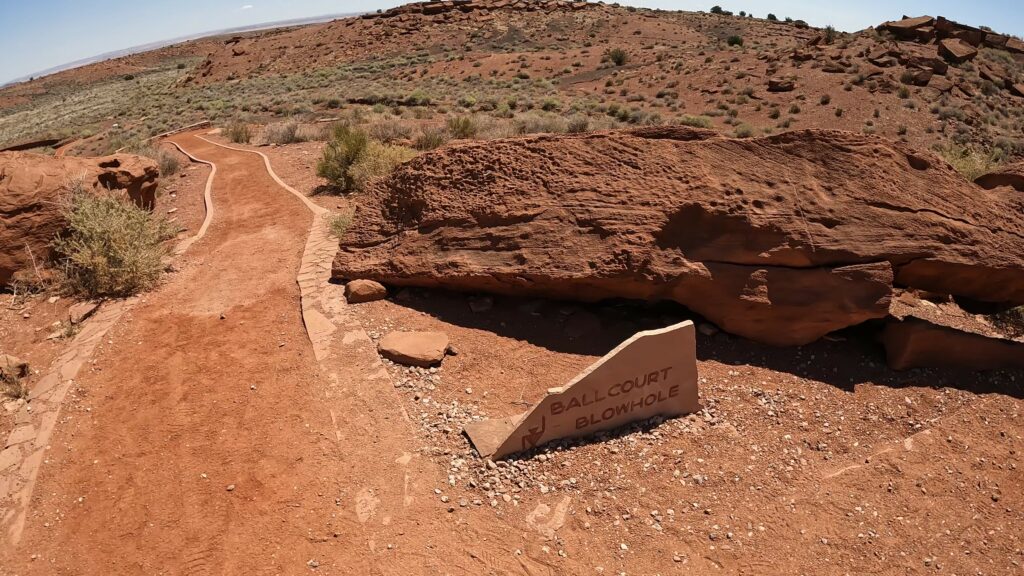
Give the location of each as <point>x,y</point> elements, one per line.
<point>653,373</point>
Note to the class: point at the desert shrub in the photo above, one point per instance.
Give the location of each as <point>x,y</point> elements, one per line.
<point>534,123</point>
<point>340,224</point>
<point>281,133</point>
<point>313,132</point>
<point>794,109</point>
<point>695,121</point>
<point>431,138</point>
<point>376,161</point>
<point>830,34</point>
<point>336,161</point>
<point>550,104</point>
<point>111,246</point>
<point>969,162</point>
<point>165,159</point>
<point>772,17</point>
<point>734,40</point>
<point>903,92</point>
<point>388,131</point>
<point>744,131</point>
<point>617,56</point>
<point>825,99</point>
<point>578,125</point>
<point>238,132</point>
<point>839,112</point>
<point>418,98</point>
<point>463,127</point>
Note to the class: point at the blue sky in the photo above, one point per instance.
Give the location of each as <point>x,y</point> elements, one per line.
<point>39,34</point>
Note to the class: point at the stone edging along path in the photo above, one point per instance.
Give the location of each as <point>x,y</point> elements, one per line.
<point>24,448</point>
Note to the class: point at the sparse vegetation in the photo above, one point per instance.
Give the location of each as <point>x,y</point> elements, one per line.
<point>696,121</point>
<point>463,127</point>
<point>340,224</point>
<point>431,138</point>
<point>968,161</point>
<point>376,161</point>
<point>112,248</point>
<point>618,56</point>
<point>734,40</point>
<point>341,152</point>
<point>238,132</point>
<point>281,133</point>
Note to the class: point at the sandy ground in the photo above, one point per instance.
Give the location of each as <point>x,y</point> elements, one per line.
<point>35,328</point>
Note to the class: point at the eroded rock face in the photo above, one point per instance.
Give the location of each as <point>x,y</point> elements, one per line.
<point>1011,175</point>
<point>31,190</point>
<point>780,239</point>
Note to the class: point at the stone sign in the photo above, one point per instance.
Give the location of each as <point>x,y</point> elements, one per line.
<point>653,373</point>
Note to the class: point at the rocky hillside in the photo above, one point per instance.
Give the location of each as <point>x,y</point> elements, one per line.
<point>924,80</point>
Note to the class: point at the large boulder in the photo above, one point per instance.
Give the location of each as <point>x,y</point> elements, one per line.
<point>956,50</point>
<point>34,187</point>
<point>781,239</point>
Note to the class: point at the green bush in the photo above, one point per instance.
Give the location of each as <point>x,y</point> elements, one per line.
<point>340,153</point>
<point>376,161</point>
<point>463,127</point>
<point>111,246</point>
<point>618,56</point>
<point>734,41</point>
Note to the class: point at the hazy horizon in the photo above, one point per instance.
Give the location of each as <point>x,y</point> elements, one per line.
<point>31,50</point>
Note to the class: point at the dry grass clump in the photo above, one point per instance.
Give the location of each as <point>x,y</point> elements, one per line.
<point>695,121</point>
<point>430,138</point>
<point>378,160</point>
<point>165,159</point>
<point>111,246</point>
<point>463,127</point>
<point>281,133</point>
<point>969,162</point>
<point>12,381</point>
<point>389,131</point>
<point>340,224</point>
<point>535,123</point>
<point>238,132</point>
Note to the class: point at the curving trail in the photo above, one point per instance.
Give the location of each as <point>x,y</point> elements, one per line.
<point>215,434</point>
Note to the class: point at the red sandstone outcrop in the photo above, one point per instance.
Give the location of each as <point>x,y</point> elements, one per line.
<point>780,239</point>
<point>31,190</point>
<point>921,333</point>
<point>1011,175</point>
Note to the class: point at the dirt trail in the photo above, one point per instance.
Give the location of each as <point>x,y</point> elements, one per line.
<point>205,440</point>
